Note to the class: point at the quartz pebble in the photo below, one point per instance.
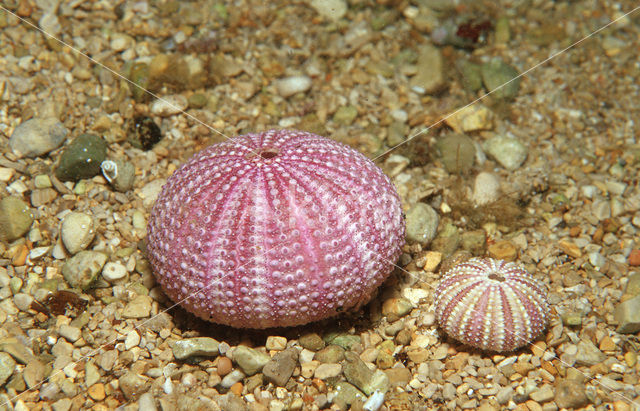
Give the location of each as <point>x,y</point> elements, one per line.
<point>330,9</point>
<point>291,85</point>
<point>486,188</point>
<point>169,105</point>
<point>113,271</point>
<point>82,269</point>
<point>37,136</point>
<point>77,231</point>
<point>508,151</point>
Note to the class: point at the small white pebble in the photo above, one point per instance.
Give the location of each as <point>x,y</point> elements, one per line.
<point>114,271</point>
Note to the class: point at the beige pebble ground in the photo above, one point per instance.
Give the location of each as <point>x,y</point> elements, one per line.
<point>561,145</point>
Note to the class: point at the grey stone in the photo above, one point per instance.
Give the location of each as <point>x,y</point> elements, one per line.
<point>430,77</point>
<point>198,346</point>
<point>249,360</point>
<point>82,269</point>
<point>422,223</point>
<point>589,354</point>
<point>508,151</point>
<point>358,374</point>
<point>37,136</point>
<point>15,218</point>
<point>627,314</point>
<point>82,158</point>
<point>457,152</point>
<point>326,371</point>
<point>7,366</point>
<point>396,307</point>
<point>77,231</point>
<point>471,75</point>
<point>570,394</point>
<point>500,79</point>
<point>330,354</point>
<point>123,177</point>
<point>346,395</point>
<point>311,341</point>
<point>280,368</point>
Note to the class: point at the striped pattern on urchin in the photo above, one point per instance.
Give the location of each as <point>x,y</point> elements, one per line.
<point>491,304</point>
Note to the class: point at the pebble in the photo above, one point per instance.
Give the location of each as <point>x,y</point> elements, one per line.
<point>275,343</point>
<point>37,136</point>
<point>82,269</point>
<point>42,196</point>
<point>42,181</point>
<point>430,76</point>
<point>486,188</point>
<point>139,307</point>
<point>169,105</point>
<point>77,231</point>
<point>34,373</point>
<point>91,374</point>
<point>7,367</point>
<point>588,354</point>
<point>330,354</point>
<point>358,374</point>
<point>627,315</point>
<point>70,333</point>
<point>120,174</point>
<point>634,258</point>
<point>195,347</point>
<point>457,152</point>
<point>15,218</point>
<point>132,340</point>
<point>232,378</point>
<point>63,404</point>
<point>96,392</point>
<point>326,371</point>
<point>330,9</point>
<point>150,192</point>
<point>394,308</point>
<point>496,73</point>
<point>114,271</point>
<point>146,402</point>
<point>249,360</point>
<point>475,117</point>
<point>503,250</point>
<point>292,85</point>
<point>224,366</point>
<point>82,158</point>
<point>143,133</point>
<point>345,115</point>
<point>132,385</point>
<point>280,368</point>
<point>311,341</point>
<point>509,152</point>
<point>543,394</point>
<point>570,394</point>
<point>422,223</point>
<point>346,395</point>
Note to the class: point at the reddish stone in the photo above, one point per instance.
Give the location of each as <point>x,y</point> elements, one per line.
<point>634,257</point>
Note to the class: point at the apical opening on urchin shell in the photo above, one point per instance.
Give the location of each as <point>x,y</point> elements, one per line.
<point>268,153</point>
<point>496,277</point>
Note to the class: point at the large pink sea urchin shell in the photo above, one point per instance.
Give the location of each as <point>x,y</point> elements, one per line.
<point>491,304</point>
<point>274,229</point>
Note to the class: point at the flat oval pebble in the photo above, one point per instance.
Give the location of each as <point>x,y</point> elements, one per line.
<point>37,136</point>
<point>77,231</point>
<point>113,271</point>
<point>292,85</point>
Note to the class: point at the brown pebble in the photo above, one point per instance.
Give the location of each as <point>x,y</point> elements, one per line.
<point>634,258</point>
<point>20,256</point>
<point>607,344</point>
<point>570,248</point>
<point>96,392</point>
<point>502,250</point>
<point>538,348</point>
<point>236,388</point>
<point>621,406</point>
<point>224,366</point>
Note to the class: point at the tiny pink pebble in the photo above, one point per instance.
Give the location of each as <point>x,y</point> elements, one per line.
<point>274,229</point>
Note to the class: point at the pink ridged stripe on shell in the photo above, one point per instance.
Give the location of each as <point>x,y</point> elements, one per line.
<point>278,228</point>
<point>491,304</point>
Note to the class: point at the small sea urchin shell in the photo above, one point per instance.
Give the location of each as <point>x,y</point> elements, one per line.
<point>274,229</point>
<point>491,304</point>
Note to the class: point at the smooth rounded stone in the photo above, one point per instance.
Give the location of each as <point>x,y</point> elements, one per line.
<point>192,347</point>
<point>486,188</point>
<point>396,307</point>
<point>120,174</point>
<point>509,152</point>
<point>22,301</point>
<point>70,333</point>
<point>291,85</point>
<point>471,75</point>
<point>169,105</point>
<point>542,394</point>
<point>358,374</point>
<point>627,315</point>
<point>132,385</point>
<point>330,9</point>
<point>139,307</point>
<point>346,395</point>
<point>496,73</point>
<point>330,354</point>
<point>232,378</point>
<point>326,371</point>
<point>312,341</point>
<point>422,223</point>
<point>249,360</point>
<point>15,218</point>
<point>37,136</point>
<point>280,368</point>
<point>430,76</point>
<point>82,158</point>
<point>570,394</point>
<point>146,402</point>
<point>77,231</point>
<point>457,152</point>
<point>81,270</point>
<point>344,340</point>
<point>7,366</point>
<point>113,272</point>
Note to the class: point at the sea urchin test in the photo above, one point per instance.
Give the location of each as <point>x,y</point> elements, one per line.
<point>274,229</point>
<point>491,304</point>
